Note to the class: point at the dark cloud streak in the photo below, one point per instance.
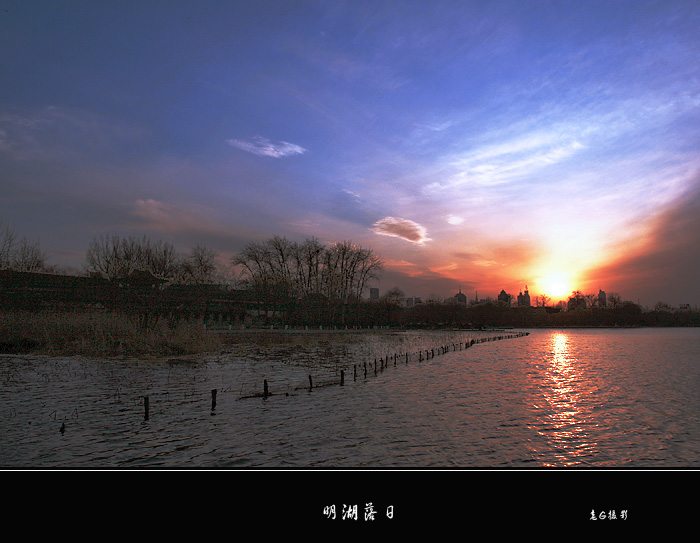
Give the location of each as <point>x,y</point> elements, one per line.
<point>666,269</point>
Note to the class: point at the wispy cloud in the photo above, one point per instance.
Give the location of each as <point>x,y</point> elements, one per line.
<point>264,147</point>
<point>401,228</point>
<point>509,161</point>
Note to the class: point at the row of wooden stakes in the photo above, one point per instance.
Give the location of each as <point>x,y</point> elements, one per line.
<point>378,366</point>
<point>382,363</point>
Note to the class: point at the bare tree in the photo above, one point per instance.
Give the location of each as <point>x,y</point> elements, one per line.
<point>371,267</point>
<point>113,257</point>
<point>28,257</point>
<point>200,266</point>
<point>19,254</point>
<point>280,259</point>
<point>395,296</point>
<point>253,259</point>
<point>104,257</point>
<point>301,269</point>
<point>8,240</point>
<point>160,258</point>
<point>614,300</point>
<point>543,299</point>
<point>306,258</point>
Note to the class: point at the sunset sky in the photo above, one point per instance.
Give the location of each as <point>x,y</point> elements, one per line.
<point>480,145</point>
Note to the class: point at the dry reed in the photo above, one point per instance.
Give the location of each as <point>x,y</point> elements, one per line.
<point>100,334</point>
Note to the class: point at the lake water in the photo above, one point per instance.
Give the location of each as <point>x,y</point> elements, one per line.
<point>553,398</point>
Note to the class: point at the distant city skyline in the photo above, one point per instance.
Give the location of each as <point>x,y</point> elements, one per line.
<point>472,145</point>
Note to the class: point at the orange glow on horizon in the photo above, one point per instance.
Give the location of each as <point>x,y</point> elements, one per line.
<point>556,285</point>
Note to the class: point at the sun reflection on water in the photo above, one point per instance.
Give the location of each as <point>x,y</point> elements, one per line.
<point>563,423</point>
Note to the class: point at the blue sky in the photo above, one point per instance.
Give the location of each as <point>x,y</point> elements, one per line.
<point>481,145</point>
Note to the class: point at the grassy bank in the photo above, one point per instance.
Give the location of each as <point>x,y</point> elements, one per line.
<point>103,334</point>
<point>99,334</point>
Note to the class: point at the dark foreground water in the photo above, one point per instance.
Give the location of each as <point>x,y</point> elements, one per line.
<point>570,398</point>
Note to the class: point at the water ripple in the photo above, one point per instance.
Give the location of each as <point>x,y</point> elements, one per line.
<point>584,398</point>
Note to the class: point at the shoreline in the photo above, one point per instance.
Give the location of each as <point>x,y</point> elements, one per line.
<point>225,340</point>
<point>176,347</point>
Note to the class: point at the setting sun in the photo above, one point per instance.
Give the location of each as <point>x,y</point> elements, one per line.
<point>555,285</point>
<point>557,289</point>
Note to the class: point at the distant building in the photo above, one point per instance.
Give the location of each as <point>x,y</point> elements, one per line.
<point>413,300</point>
<point>460,298</point>
<point>576,302</point>
<point>503,296</point>
<point>374,293</point>
<point>524,299</point>
<point>684,307</point>
<point>602,298</point>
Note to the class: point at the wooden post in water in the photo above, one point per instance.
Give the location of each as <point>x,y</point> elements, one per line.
<point>213,399</point>
<point>311,385</point>
<point>342,378</point>
<point>266,391</point>
<point>146,406</point>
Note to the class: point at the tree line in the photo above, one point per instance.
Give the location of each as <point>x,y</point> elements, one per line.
<point>20,254</point>
<point>500,314</point>
<point>273,268</point>
<point>308,282</point>
<point>303,282</point>
<point>113,257</point>
<point>290,269</point>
